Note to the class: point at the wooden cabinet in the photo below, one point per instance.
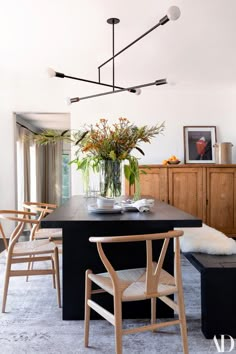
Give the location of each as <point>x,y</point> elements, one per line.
<point>221,199</point>
<point>207,191</point>
<point>153,182</point>
<point>186,190</point>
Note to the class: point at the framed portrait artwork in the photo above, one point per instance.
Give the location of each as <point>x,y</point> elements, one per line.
<point>198,144</point>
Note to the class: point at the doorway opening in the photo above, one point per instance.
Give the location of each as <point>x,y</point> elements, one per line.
<point>43,173</point>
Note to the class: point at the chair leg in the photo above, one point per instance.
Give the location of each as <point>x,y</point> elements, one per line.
<point>180,297</point>
<point>53,274</point>
<point>57,272</point>
<point>153,311</point>
<point>30,266</point>
<point>118,324</point>
<point>183,325</point>
<point>6,284</point>
<point>87,310</point>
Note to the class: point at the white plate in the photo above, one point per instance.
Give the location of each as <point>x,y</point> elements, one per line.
<point>95,209</point>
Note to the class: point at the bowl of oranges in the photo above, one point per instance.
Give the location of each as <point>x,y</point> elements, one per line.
<point>172,160</point>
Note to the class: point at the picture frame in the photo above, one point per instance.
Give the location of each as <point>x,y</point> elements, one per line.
<point>199,144</point>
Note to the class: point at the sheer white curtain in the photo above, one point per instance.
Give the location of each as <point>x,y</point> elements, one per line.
<point>24,142</point>
<point>39,170</point>
<point>49,173</point>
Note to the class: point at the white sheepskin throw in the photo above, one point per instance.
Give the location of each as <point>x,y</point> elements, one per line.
<point>206,239</point>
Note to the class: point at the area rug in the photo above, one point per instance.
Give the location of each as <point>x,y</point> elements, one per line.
<point>33,323</point>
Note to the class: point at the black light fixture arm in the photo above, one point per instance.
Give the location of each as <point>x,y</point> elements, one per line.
<point>157,83</point>
<point>173,14</point>
<point>129,45</point>
<point>52,73</point>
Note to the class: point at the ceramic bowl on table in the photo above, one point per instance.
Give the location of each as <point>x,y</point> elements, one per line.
<point>105,203</point>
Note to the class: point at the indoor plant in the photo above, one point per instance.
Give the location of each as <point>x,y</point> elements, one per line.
<point>103,147</point>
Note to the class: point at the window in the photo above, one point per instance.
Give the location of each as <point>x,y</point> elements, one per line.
<point>43,172</point>
<point>65,176</point>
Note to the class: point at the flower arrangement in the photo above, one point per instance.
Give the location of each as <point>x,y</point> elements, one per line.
<point>103,147</point>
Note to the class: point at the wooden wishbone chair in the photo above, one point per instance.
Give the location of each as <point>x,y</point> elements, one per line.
<point>150,282</point>
<point>27,252</point>
<point>38,233</point>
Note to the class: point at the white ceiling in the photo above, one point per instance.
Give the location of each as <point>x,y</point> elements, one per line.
<point>73,37</point>
<point>41,121</point>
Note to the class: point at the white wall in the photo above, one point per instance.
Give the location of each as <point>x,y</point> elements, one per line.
<point>176,106</point>
<point>73,37</point>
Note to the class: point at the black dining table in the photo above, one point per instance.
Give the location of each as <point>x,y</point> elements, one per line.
<point>78,224</point>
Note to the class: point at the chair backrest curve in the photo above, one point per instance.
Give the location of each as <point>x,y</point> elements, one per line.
<point>153,273</point>
<point>153,270</point>
<point>22,218</point>
<point>3,237</point>
<point>42,209</point>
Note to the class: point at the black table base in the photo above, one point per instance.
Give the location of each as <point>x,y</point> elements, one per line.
<point>82,255</point>
<point>79,254</point>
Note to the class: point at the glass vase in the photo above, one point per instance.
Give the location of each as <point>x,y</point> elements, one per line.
<point>110,178</point>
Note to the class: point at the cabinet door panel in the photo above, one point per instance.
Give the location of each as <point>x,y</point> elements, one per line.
<point>186,190</point>
<point>221,200</point>
<point>153,183</point>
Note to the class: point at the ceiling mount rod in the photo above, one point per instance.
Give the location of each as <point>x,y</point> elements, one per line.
<point>113,21</point>
<point>113,53</point>
<point>173,14</point>
<point>99,76</point>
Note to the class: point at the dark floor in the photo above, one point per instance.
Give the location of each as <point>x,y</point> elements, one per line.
<point>2,247</point>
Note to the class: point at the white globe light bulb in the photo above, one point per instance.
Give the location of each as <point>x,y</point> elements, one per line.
<point>138,91</point>
<point>171,82</point>
<point>51,72</point>
<point>68,101</point>
<point>173,13</point>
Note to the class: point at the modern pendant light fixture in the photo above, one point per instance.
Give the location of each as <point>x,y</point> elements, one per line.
<point>172,15</point>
